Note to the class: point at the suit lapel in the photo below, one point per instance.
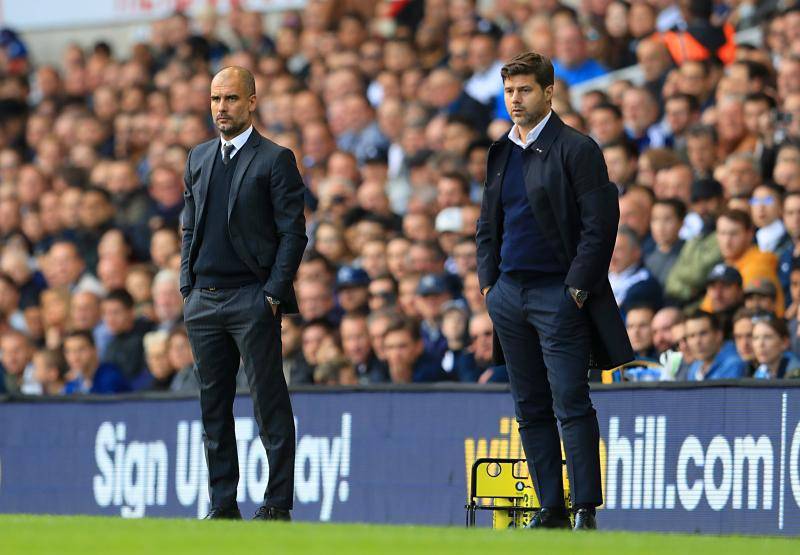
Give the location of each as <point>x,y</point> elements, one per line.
<point>246,156</point>
<point>205,179</point>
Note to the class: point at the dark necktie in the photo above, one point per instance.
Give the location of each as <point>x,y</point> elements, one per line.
<point>227,150</point>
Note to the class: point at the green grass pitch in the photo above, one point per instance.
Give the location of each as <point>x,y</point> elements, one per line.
<point>61,535</point>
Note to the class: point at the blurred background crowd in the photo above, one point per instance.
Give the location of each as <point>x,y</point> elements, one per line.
<point>390,109</point>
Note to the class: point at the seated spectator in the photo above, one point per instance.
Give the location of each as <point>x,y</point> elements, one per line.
<point>735,238</point>
<point>291,346</point>
<point>640,113</point>
<point>315,300</point>
<point>761,296</point>
<point>125,348</point>
<point>787,258</point>
<point>157,358</point>
<point>382,292</point>
<point>665,223</point>
<point>337,371</point>
<point>621,161</point>
<point>724,291</point>
<point>431,294</point>
<point>64,267</point>
<point>181,359</point>
<point>352,289</point>
<point>457,359</point>
<point>50,368</point>
<point>16,353</point>
<point>481,335</point>
<point>631,282</point>
<point>661,328</point>
<point>638,322</point>
<point>167,301</point>
<point>771,349</point>
<point>571,62</point>
<point>743,338</point>
<point>766,207</point>
<point>358,351</point>
<point>314,334</point>
<point>715,359</point>
<point>687,280</point>
<point>86,373</point>
<point>405,354</point>
<point>10,302</point>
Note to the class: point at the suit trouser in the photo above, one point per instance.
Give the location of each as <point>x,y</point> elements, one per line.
<point>546,339</point>
<point>224,325</point>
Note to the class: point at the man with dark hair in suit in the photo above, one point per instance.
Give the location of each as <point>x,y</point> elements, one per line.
<point>545,237</point>
<point>243,238</point>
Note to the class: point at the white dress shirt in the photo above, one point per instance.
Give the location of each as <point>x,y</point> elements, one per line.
<point>533,134</point>
<point>238,141</point>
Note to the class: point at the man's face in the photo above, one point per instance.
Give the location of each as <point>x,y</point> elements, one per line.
<point>314,300</point>
<point>625,254</point>
<point>620,167</point>
<point>760,303</point>
<point>64,264</point>
<point>743,337</point>
<point>313,337</point>
<point>604,125</point>
<point>637,322</point>
<point>16,354</point>
<point>664,225</point>
<point>84,311</point>
<point>702,339</point>
<point>754,111</point>
<point>661,330</point>
<point>355,340</point>
<point>791,218</point>
<point>429,307</point>
<point>701,153</point>
<point>117,316</point>
<point>733,239</point>
<point>765,206</point>
<point>231,106</point>
<point>481,332</point>
<point>353,298</point>
<point>525,100</point>
<point>741,178</point>
<point>678,115</point>
<point>724,295</point>
<point>402,352</point>
<point>80,354</point>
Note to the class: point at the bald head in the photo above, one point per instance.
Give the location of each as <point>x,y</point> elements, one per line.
<point>233,100</point>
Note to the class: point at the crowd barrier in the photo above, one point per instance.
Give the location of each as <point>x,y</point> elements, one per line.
<point>722,458</point>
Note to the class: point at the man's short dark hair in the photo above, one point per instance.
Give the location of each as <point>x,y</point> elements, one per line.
<point>462,179</point>
<point>738,216</point>
<point>690,99</point>
<point>702,130</point>
<point>609,107</point>
<point>700,314</point>
<point>530,63</point>
<point>761,97</point>
<point>121,296</point>
<point>627,146</point>
<point>405,324</point>
<point>676,204</point>
<point>83,334</point>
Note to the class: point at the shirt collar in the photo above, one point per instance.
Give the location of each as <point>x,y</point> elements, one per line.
<point>533,134</point>
<point>238,141</point>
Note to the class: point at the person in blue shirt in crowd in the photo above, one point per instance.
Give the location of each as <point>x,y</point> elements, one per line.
<point>405,354</point>
<point>771,348</point>
<point>715,359</point>
<point>571,62</point>
<point>86,373</point>
<point>458,360</point>
<point>432,292</point>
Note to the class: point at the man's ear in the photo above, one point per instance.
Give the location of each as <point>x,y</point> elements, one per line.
<point>548,93</point>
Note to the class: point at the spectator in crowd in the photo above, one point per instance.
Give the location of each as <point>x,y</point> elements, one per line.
<point>715,358</point>
<point>156,354</point>
<point>406,357</point>
<point>50,368</point>
<point>735,238</point>
<point>431,294</point>
<point>86,373</point>
<point>356,347</point>
<point>743,338</point>
<point>291,347</point>
<point>181,359</point>
<point>761,296</point>
<point>631,282</point>
<point>64,267</point>
<point>661,328</point>
<point>771,349</point>
<point>125,349</point>
<point>621,161</point>
<point>352,289</point>
<point>457,359</point>
<point>16,353</point>
<point>725,294</point>
<point>638,322</point>
<point>571,62</point>
<point>665,225</point>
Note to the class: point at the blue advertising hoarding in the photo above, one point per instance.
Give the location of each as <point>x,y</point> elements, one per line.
<point>723,459</point>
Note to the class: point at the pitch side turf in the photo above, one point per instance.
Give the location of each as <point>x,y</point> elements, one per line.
<point>59,535</point>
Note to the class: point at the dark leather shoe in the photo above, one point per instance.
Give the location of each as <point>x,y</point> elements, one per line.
<point>585,520</point>
<point>550,518</point>
<point>271,513</point>
<point>226,513</point>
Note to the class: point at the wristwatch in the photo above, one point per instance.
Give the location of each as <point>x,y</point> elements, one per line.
<point>580,295</point>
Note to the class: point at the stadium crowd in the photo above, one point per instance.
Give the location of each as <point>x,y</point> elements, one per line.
<point>390,109</point>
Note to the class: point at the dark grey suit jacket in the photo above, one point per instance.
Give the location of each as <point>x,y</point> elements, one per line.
<point>577,209</point>
<point>265,214</point>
